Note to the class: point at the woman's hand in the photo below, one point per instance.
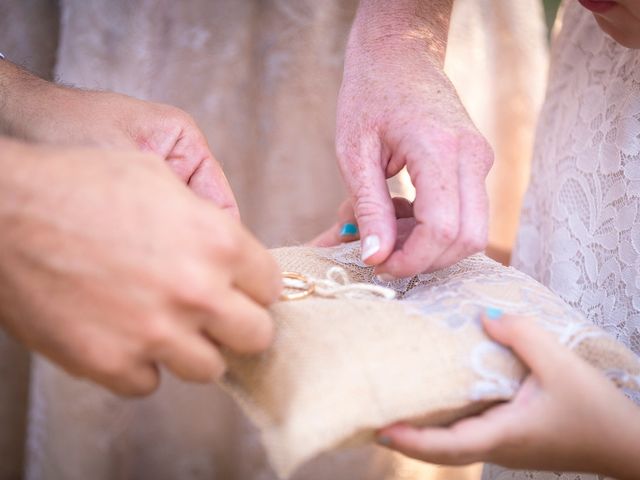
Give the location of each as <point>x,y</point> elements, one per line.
<point>397,108</point>
<point>110,267</point>
<point>566,417</point>
<point>36,110</point>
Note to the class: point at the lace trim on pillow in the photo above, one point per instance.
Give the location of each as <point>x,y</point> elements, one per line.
<point>456,289</point>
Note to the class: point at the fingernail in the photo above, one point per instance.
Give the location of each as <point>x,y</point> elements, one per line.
<point>348,229</point>
<point>385,277</point>
<point>384,440</point>
<point>493,313</point>
<point>370,246</point>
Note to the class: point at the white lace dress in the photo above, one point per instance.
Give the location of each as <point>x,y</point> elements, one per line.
<point>580,226</point>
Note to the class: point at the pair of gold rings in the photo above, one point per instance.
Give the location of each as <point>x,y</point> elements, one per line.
<point>301,287</point>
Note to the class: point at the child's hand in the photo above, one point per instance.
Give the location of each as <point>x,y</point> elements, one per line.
<point>567,416</point>
<point>346,228</point>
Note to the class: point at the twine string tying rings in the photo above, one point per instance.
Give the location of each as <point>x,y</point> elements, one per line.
<point>336,285</point>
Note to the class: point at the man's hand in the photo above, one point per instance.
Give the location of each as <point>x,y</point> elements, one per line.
<point>38,111</point>
<point>397,108</point>
<point>110,267</point>
<point>567,416</point>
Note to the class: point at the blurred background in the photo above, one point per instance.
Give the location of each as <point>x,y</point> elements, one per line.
<point>550,9</point>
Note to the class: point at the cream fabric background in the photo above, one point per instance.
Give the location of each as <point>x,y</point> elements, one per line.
<point>261,78</point>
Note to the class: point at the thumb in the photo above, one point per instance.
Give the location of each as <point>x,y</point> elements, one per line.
<point>192,160</point>
<point>534,346</point>
<point>210,182</point>
<point>364,176</point>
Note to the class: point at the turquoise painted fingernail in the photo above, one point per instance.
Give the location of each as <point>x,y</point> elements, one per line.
<point>384,440</point>
<point>493,313</point>
<point>348,229</point>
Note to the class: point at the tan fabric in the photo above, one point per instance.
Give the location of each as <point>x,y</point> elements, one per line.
<point>340,368</point>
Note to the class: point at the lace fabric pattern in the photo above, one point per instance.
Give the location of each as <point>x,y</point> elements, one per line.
<point>580,226</point>
<point>459,294</point>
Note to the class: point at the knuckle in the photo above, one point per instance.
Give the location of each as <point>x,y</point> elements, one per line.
<point>145,389</point>
<point>216,309</point>
<point>481,149</point>
<point>227,246</point>
<point>177,116</point>
<point>192,285</point>
<point>264,336</point>
<point>444,144</point>
<point>138,388</point>
<point>445,233</point>
<point>367,206</point>
<point>156,334</point>
<point>181,122</point>
<point>114,366</point>
<point>474,243</point>
<point>256,334</point>
<point>115,369</point>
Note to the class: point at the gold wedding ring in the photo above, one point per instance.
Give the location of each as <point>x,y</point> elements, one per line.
<point>296,292</point>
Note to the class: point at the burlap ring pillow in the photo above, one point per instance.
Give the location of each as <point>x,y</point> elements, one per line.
<point>347,361</point>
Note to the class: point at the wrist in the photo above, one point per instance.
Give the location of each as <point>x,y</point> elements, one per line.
<point>23,97</point>
<point>398,25</point>
<point>620,436</point>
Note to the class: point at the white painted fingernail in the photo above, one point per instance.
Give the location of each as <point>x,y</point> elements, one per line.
<point>370,246</point>
<point>385,277</point>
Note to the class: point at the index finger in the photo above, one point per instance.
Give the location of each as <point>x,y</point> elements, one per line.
<point>255,271</point>
<point>210,182</point>
<point>361,164</point>
<point>191,158</point>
